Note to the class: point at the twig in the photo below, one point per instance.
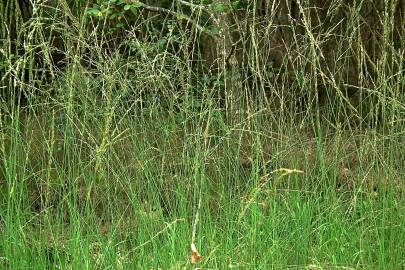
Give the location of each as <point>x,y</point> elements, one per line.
<point>201,7</point>
<point>178,16</point>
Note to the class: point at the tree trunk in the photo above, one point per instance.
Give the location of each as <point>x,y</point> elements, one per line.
<point>227,62</point>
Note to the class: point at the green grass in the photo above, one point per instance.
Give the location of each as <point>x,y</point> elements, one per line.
<point>110,166</point>
<point>77,196</point>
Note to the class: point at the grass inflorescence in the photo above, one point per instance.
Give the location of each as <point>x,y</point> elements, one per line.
<point>134,145</point>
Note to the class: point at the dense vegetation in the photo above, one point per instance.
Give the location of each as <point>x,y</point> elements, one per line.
<point>270,134</point>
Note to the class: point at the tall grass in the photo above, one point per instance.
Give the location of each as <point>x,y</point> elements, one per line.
<point>106,164</point>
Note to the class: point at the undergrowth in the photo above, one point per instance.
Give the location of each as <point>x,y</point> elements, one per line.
<point>121,156</point>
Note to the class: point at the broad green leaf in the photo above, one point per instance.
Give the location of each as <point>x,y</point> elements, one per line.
<point>93,11</point>
<point>221,8</point>
<point>136,4</point>
<point>215,30</point>
<point>235,5</point>
<point>113,16</point>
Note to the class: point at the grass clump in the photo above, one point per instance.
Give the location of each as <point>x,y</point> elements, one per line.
<point>124,152</point>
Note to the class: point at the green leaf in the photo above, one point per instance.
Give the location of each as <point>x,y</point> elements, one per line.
<point>215,30</point>
<point>134,11</point>
<point>113,16</point>
<point>136,4</point>
<point>93,11</point>
<point>162,43</point>
<point>108,11</point>
<point>119,25</point>
<point>235,5</point>
<point>127,7</point>
<point>221,8</point>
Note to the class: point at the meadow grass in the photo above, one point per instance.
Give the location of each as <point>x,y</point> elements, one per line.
<point>110,166</point>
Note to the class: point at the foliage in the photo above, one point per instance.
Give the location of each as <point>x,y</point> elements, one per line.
<point>119,13</point>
